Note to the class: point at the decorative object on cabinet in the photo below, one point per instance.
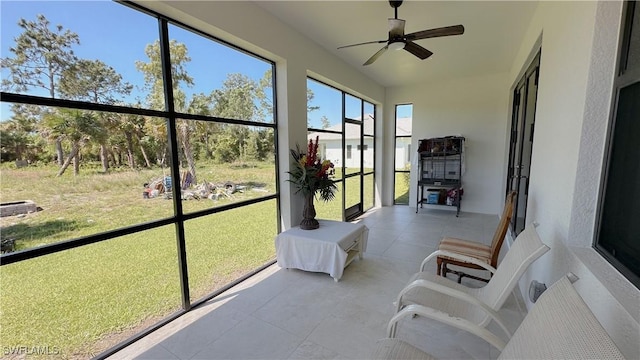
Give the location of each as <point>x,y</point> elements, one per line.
<point>440,170</point>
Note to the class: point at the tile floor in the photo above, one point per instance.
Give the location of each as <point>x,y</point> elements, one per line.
<point>291,314</point>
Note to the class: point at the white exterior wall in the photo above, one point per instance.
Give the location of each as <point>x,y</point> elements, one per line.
<point>476,108</point>
<point>403,152</point>
<point>333,152</point>
<point>579,43</point>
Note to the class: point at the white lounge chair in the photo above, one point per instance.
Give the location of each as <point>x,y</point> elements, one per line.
<point>559,326</point>
<point>460,306</point>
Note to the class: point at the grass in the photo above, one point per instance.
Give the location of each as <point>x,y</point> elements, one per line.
<point>85,300</point>
<point>401,192</point>
<point>75,206</point>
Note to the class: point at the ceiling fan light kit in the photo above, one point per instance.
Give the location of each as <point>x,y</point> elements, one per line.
<point>397,39</point>
<point>398,45</point>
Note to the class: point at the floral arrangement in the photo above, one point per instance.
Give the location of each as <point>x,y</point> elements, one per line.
<point>311,174</point>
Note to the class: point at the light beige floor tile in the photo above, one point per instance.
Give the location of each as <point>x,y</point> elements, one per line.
<point>185,343</point>
<point>424,237</point>
<point>157,352</point>
<point>377,244</point>
<point>410,253</point>
<point>299,310</point>
<point>346,337</point>
<point>252,339</point>
<point>312,351</point>
<point>292,314</point>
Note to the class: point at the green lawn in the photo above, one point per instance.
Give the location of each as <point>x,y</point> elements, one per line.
<point>401,192</point>
<point>82,301</point>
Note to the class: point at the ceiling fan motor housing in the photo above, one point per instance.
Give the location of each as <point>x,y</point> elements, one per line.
<point>395,4</point>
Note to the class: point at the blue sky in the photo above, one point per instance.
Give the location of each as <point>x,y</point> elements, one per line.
<point>117,35</point>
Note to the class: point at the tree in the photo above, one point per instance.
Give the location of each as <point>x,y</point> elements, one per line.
<point>131,127</point>
<point>41,56</point>
<point>205,130</point>
<point>260,145</point>
<point>310,108</point>
<point>152,71</point>
<point>264,93</point>
<point>95,81</point>
<point>325,122</point>
<point>75,126</point>
<point>237,99</point>
<point>19,139</point>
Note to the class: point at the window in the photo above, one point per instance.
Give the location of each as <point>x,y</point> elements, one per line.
<point>344,122</point>
<point>618,229</point>
<point>160,194</point>
<point>402,158</point>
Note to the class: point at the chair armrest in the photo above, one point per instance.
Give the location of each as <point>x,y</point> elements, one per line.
<point>445,318</point>
<point>459,257</point>
<point>455,293</point>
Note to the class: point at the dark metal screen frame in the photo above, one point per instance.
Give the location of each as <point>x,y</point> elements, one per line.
<point>395,142</point>
<point>179,217</point>
<point>346,216</point>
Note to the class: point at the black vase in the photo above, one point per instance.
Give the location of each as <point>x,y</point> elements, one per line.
<point>309,221</point>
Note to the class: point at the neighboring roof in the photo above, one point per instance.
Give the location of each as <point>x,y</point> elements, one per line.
<point>403,129</point>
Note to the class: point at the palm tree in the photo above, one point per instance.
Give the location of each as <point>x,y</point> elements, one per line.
<point>77,127</point>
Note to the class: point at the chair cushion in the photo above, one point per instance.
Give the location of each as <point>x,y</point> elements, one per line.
<point>466,247</point>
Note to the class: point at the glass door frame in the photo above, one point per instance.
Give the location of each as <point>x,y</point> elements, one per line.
<point>522,124</point>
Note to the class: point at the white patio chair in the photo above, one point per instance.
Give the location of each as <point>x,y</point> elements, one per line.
<point>460,306</point>
<point>559,326</point>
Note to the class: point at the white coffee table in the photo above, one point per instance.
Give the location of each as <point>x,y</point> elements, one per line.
<point>328,249</point>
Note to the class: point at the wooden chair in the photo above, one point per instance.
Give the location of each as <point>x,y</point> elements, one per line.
<point>482,252</point>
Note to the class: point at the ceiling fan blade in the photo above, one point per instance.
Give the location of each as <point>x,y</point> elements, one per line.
<point>396,28</point>
<point>417,50</point>
<point>443,31</point>
<point>364,43</point>
<point>376,56</point>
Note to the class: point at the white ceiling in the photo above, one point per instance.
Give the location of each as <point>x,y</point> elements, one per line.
<point>493,30</point>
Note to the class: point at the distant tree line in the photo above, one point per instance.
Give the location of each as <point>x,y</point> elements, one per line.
<point>43,58</point>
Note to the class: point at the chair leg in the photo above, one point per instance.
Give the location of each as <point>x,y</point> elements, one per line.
<point>460,274</point>
<point>439,268</point>
<point>477,278</point>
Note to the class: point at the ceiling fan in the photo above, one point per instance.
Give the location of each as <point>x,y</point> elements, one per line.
<point>399,40</point>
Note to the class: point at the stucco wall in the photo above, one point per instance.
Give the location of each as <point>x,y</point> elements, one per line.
<point>476,108</point>
<point>579,43</point>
